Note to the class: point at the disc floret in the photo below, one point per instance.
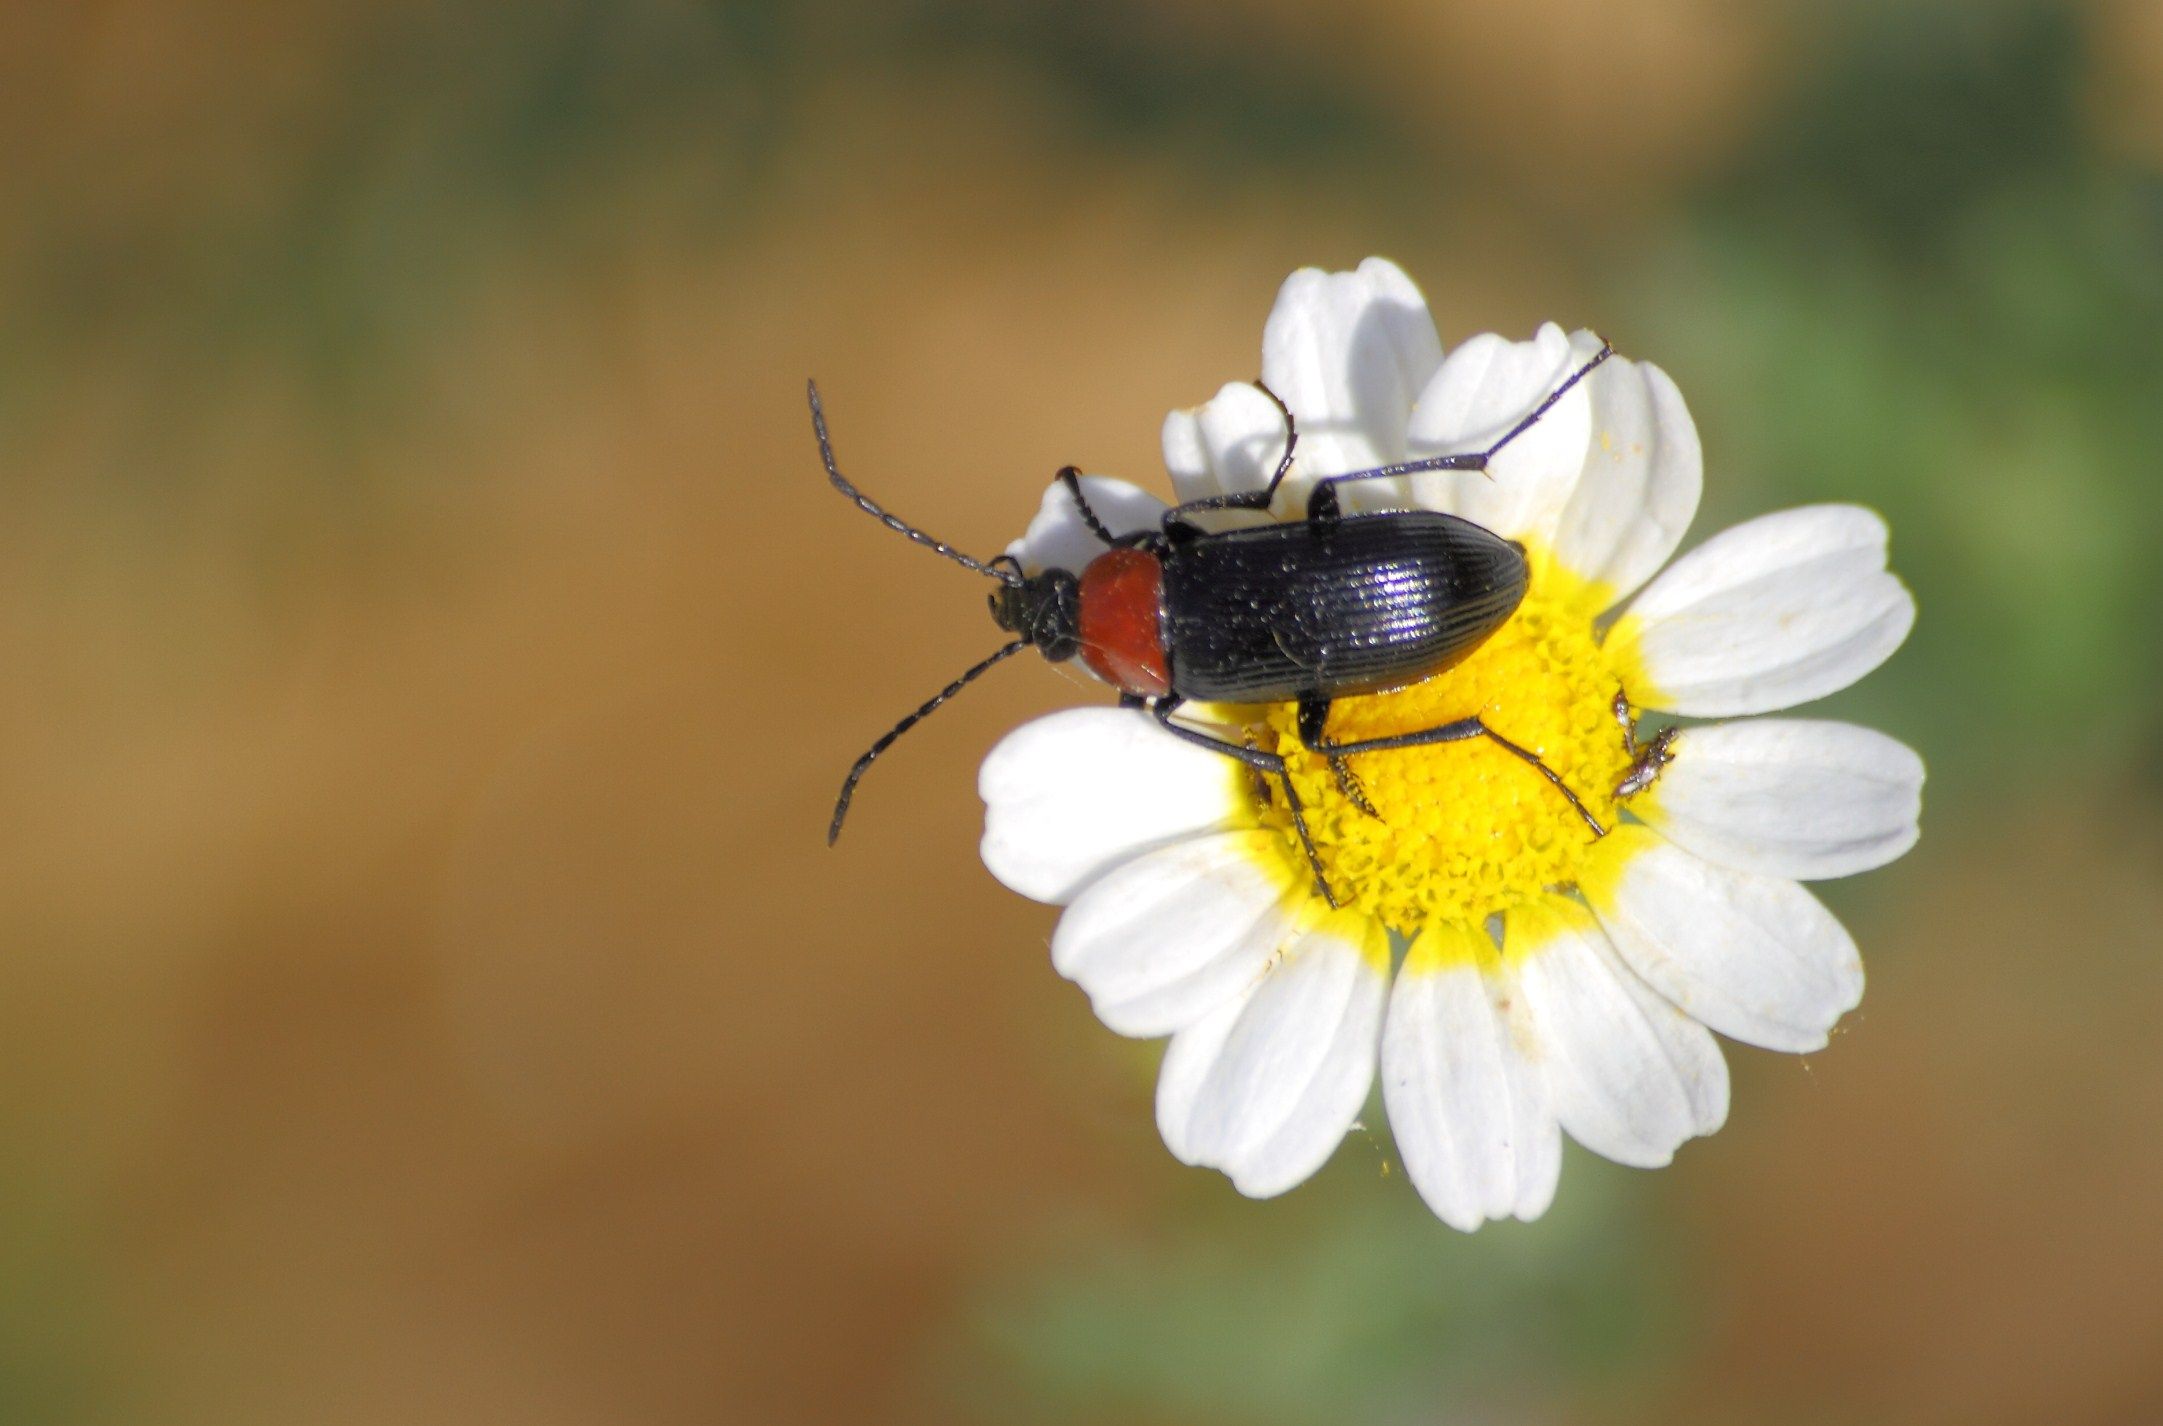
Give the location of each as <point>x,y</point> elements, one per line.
<point>1462,831</point>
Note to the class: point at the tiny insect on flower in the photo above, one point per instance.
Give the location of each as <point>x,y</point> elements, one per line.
<point>1393,688</point>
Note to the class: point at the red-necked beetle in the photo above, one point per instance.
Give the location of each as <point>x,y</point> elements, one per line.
<point>1303,612</point>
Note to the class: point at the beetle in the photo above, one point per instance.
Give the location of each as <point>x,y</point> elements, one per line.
<point>1306,611</point>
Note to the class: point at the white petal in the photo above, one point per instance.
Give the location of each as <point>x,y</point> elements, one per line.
<point>1632,1076</point>
<point>1057,538</point>
<point>1232,444</point>
<point>1643,473</point>
<point>1773,612</point>
<point>1468,1103</point>
<point>1265,1089</point>
<point>1484,389</point>
<point>1070,796</point>
<point>1166,938</point>
<point>1188,1058</point>
<point>1788,797</point>
<point>1349,352</point>
<point>1755,957</point>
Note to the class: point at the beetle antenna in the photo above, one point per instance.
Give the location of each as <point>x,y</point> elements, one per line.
<point>931,705</point>
<point>892,522</point>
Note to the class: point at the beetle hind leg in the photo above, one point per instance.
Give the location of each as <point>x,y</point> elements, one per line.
<point>1551,775</point>
<point>1314,714</point>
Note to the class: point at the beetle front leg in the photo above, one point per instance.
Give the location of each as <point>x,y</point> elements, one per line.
<point>1268,763</point>
<point>1312,714</point>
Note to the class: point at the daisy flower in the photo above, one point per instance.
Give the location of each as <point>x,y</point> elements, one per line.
<point>1511,977</point>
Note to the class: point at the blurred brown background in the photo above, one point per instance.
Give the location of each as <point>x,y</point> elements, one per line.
<point>432,652</point>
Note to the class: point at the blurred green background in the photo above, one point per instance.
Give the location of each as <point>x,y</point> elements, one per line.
<point>432,651</point>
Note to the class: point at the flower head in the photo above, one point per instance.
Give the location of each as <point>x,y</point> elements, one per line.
<point>1550,980</point>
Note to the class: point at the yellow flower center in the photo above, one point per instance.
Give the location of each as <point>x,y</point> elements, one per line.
<point>1463,830</point>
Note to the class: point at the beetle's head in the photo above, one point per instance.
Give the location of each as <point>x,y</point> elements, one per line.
<point>1043,610</point>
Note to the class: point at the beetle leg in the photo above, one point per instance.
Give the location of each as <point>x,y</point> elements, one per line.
<point>1178,527</point>
<point>1352,786</point>
<point>1552,776</point>
<point>1313,716</point>
<point>1455,732</point>
<point>1355,792</point>
<point>1268,763</point>
<point>1468,460</point>
<point>1245,499</point>
<point>1291,441</point>
<point>1325,490</point>
<point>1322,512</point>
<point>1070,477</point>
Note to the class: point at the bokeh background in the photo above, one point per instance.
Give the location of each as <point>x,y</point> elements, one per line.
<point>431,650</point>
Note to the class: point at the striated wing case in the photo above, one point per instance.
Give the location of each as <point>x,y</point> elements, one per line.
<point>1376,601</point>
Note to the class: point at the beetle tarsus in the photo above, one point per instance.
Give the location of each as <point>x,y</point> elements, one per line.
<point>1477,460</point>
<point>1306,839</point>
<point>1179,527</point>
<point>1314,713</point>
<point>1354,791</point>
<point>1552,776</point>
<point>1313,719</point>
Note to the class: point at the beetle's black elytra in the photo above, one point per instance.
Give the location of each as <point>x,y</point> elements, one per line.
<point>1305,611</point>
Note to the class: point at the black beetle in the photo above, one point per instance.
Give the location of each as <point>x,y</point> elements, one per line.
<point>1303,612</point>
